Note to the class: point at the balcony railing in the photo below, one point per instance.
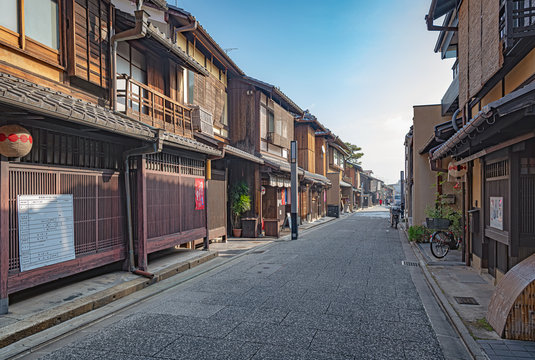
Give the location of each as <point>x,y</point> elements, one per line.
<point>517,20</point>
<point>151,107</point>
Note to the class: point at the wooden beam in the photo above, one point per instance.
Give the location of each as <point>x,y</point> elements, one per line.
<point>4,233</point>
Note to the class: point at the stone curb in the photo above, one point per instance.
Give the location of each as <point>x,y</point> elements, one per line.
<point>473,347</point>
<point>55,316</point>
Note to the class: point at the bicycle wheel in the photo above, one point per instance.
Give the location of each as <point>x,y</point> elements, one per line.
<point>439,244</point>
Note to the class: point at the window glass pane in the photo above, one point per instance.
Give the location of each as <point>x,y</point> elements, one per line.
<point>9,15</point>
<point>41,21</point>
<point>224,119</point>
<point>139,75</point>
<point>191,84</point>
<point>138,59</point>
<point>263,122</point>
<point>123,67</point>
<point>123,49</point>
<point>271,122</point>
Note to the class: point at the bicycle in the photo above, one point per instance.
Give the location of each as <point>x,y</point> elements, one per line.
<point>442,240</point>
<point>395,212</point>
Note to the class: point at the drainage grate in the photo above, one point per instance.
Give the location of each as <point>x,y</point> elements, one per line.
<point>409,263</point>
<point>464,300</point>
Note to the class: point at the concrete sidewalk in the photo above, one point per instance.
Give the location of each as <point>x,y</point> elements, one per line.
<point>464,294</point>
<point>48,305</point>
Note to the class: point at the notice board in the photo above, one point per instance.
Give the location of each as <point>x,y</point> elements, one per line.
<point>46,230</point>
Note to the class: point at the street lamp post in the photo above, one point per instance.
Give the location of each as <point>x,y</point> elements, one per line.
<point>295,190</point>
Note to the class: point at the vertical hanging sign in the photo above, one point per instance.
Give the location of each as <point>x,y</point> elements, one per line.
<point>199,194</point>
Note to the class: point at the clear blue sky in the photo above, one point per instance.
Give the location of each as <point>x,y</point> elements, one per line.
<point>359,66</point>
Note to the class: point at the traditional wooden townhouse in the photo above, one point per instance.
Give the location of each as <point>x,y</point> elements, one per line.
<point>352,176</point>
<point>313,182</point>
<point>494,44</point>
<point>99,163</point>
<point>262,122</point>
<point>209,98</point>
<point>336,152</point>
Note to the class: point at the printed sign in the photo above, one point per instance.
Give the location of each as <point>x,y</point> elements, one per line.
<point>46,230</point>
<point>199,194</point>
<point>496,212</point>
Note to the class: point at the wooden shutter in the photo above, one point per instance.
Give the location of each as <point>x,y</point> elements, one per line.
<point>89,48</point>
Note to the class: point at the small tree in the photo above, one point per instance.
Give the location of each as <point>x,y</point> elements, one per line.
<point>240,202</point>
<point>355,153</point>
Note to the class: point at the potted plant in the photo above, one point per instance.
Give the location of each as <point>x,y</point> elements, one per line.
<point>240,202</point>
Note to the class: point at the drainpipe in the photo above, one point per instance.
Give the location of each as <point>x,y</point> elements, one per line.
<point>153,148</point>
<point>137,32</point>
<point>454,120</point>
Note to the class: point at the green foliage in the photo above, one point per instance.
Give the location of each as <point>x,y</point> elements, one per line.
<point>355,153</point>
<point>483,324</point>
<point>419,233</point>
<point>240,201</point>
<point>441,210</point>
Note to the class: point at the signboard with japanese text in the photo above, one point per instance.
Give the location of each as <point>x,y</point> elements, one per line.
<point>46,230</point>
<point>496,212</point>
<point>199,194</point>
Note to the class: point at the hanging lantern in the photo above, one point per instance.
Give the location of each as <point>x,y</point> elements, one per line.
<point>15,141</point>
<point>456,171</point>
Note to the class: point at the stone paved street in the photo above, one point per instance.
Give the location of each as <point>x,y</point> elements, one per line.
<point>339,292</point>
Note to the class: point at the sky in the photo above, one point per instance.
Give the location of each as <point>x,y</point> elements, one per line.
<point>358,66</point>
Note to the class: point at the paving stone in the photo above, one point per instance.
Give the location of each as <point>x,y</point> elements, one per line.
<point>143,343</point>
<point>68,353</point>
<point>291,336</point>
<point>186,309</point>
<point>339,342</point>
<point>199,348</point>
<point>237,313</point>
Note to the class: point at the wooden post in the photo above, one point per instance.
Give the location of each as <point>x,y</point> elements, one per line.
<point>207,177</point>
<point>141,213</point>
<point>4,233</point>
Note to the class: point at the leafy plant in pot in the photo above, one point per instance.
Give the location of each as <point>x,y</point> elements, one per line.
<point>240,202</point>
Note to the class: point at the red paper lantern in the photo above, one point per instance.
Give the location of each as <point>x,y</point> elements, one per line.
<point>15,141</point>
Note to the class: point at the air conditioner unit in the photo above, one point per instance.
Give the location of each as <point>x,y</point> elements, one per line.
<point>202,120</point>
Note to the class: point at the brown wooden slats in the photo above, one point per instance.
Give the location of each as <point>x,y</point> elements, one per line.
<point>90,41</point>
<point>527,204</point>
<point>97,204</point>
<point>155,109</point>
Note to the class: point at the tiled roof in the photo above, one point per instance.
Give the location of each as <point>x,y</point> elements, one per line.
<point>190,144</point>
<point>159,36</point>
<point>243,154</point>
<point>41,100</point>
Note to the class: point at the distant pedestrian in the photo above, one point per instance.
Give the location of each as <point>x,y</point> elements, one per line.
<point>380,202</point>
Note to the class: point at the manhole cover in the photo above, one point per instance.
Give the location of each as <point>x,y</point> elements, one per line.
<point>465,300</point>
<point>409,263</point>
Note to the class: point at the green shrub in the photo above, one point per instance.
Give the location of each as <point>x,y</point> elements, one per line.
<point>419,233</point>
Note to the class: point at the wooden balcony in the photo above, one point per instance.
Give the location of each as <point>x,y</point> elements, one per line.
<point>517,21</point>
<point>138,101</point>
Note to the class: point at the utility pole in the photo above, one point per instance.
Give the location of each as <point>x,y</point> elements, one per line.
<point>294,187</point>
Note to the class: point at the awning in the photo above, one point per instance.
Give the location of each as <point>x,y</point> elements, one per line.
<point>491,114</point>
<point>345,185</point>
<point>316,178</point>
<point>276,163</point>
<point>243,154</point>
<point>442,7</point>
<point>277,181</point>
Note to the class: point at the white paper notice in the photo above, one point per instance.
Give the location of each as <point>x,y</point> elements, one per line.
<point>46,230</point>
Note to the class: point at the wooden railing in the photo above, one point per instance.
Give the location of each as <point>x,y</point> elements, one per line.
<point>151,107</point>
<point>517,20</point>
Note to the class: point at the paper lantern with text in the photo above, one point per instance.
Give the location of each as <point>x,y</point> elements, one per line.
<point>15,141</point>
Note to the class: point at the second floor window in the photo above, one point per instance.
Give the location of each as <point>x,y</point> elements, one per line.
<point>29,24</point>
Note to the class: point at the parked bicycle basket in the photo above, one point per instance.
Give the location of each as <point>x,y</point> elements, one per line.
<point>438,224</point>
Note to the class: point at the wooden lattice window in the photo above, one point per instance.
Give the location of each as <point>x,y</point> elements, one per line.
<point>174,164</point>
<point>89,40</point>
<point>55,148</point>
<point>497,169</point>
